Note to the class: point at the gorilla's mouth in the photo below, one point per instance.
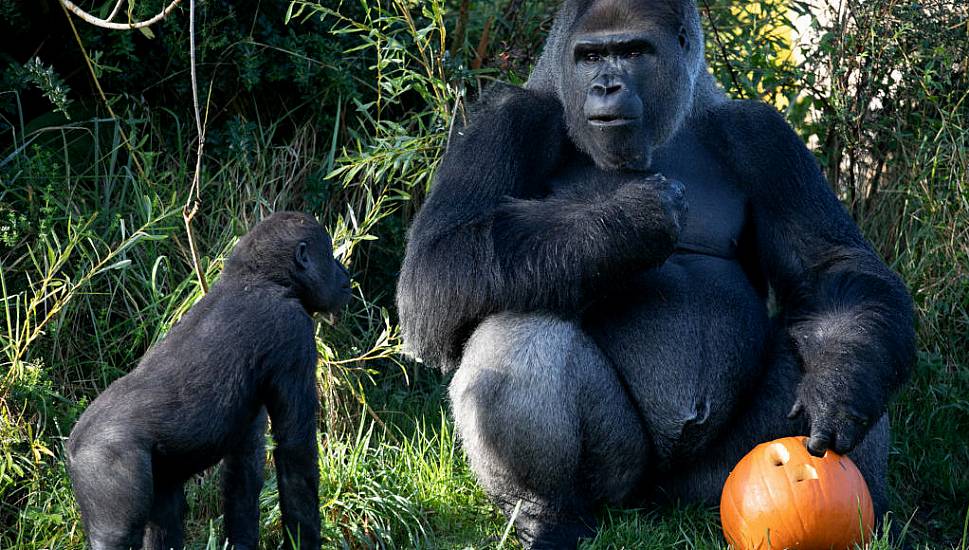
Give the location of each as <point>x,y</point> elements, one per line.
<point>607,121</point>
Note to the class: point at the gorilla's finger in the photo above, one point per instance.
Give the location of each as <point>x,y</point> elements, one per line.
<point>847,438</point>
<point>796,410</point>
<point>820,441</point>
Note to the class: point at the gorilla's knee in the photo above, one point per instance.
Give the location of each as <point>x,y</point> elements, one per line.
<point>539,407</point>
<point>514,401</point>
<point>111,477</point>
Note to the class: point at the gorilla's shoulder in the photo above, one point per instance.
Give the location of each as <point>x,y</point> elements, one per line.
<point>505,121</point>
<point>748,122</point>
<point>754,138</point>
<point>516,101</point>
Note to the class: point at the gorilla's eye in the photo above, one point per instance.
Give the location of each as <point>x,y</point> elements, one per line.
<point>682,37</point>
<point>592,57</point>
<point>637,48</point>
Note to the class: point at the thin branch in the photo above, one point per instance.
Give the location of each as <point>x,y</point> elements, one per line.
<point>458,108</point>
<point>114,12</point>
<point>723,49</point>
<point>457,43</point>
<point>194,196</point>
<point>482,50</point>
<point>107,24</point>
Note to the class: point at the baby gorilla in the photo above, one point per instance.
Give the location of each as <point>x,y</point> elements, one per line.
<point>202,394</point>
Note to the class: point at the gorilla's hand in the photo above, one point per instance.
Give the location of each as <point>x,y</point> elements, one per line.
<point>655,210</point>
<point>840,412</point>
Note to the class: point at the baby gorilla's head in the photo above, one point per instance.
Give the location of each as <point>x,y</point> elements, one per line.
<point>293,250</point>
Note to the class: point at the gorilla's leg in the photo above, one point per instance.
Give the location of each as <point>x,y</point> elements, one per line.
<point>763,417</point>
<point>112,481</point>
<point>243,478</point>
<point>545,422</point>
<point>164,530</point>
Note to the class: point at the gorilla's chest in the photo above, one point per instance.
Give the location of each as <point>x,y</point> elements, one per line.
<point>687,336</point>
<point>717,205</point>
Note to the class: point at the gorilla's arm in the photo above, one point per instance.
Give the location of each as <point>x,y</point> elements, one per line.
<point>489,240</point>
<point>850,317</point>
<point>292,404</point>
<point>554,254</point>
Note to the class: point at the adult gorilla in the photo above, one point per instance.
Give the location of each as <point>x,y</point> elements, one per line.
<point>611,345</point>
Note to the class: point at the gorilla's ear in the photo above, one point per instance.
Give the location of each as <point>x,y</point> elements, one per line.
<point>302,255</point>
<point>682,38</point>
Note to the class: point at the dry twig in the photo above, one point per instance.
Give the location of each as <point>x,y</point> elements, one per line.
<point>107,24</point>
<point>194,197</point>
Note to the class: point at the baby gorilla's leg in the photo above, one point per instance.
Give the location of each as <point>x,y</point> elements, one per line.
<point>547,426</point>
<point>243,471</point>
<point>112,480</point>
<point>164,530</point>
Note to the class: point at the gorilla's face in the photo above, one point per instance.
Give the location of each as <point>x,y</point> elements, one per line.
<point>626,84</point>
<point>323,283</point>
<point>293,250</point>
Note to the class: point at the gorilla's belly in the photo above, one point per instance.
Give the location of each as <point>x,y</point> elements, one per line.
<point>687,338</point>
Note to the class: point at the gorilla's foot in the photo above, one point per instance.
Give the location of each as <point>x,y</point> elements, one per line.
<point>561,532</point>
<point>559,537</point>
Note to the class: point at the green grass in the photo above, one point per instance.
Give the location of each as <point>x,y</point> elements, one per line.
<point>405,484</point>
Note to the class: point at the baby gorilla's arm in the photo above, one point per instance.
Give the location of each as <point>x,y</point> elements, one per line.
<point>292,403</point>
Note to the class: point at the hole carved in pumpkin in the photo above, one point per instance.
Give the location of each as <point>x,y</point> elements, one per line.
<point>804,472</point>
<point>778,454</point>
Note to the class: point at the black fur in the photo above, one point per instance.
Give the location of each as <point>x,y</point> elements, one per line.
<point>609,342</point>
<point>203,393</point>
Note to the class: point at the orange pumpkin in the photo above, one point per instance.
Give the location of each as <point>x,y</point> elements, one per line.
<point>781,496</point>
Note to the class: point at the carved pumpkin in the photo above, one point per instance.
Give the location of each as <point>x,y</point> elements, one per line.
<point>780,496</point>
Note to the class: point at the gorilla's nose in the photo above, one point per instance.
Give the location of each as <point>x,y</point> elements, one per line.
<point>606,87</point>
<point>611,103</point>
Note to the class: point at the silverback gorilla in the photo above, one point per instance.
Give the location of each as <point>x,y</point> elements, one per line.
<point>595,262</point>
<point>202,394</point>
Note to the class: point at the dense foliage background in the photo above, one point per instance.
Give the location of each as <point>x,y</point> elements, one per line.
<point>343,109</point>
